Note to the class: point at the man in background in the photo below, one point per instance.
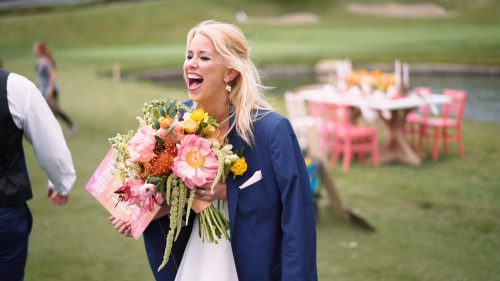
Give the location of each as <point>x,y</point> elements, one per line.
<point>24,112</point>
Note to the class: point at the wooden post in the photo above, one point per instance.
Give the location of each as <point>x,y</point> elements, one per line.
<point>116,72</point>
<point>339,209</point>
<point>316,152</point>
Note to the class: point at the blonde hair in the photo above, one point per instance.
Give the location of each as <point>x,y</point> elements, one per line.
<point>247,94</point>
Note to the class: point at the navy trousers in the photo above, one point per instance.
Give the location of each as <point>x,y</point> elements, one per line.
<point>15,227</point>
<point>155,237</point>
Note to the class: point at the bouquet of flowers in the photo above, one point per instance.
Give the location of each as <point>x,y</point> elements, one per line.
<point>168,158</point>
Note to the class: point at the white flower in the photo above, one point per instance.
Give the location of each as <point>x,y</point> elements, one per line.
<point>228,147</point>
<point>230,159</point>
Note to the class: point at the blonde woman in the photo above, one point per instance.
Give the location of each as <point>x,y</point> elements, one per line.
<point>271,208</point>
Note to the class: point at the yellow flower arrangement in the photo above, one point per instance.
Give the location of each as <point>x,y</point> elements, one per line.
<point>374,80</point>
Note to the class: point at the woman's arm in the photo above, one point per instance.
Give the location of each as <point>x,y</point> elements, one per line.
<point>52,79</point>
<point>298,249</point>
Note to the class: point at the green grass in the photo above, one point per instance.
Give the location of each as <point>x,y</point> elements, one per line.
<point>435,222</point>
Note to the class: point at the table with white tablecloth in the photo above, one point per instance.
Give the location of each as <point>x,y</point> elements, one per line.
<point>392,111</point>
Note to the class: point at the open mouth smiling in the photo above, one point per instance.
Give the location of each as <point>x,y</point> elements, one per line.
<point>194,81</point>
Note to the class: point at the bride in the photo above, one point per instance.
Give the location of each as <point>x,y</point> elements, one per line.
<point>275,237</point>
<point>209,84</point>
<point>272,212</point>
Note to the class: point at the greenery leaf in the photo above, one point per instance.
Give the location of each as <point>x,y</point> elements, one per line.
<point>153,180</point>
<point>156,114</point>
<point>159,140</point>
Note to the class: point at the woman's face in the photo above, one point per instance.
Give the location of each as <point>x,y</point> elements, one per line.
<point>204,72</point>
<point>36,49</point>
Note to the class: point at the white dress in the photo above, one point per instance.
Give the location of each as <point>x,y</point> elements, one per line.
<point>207,261</point>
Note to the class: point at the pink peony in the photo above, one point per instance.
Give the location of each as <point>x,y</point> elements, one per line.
<point>141,146</point>
<point>196,163</point>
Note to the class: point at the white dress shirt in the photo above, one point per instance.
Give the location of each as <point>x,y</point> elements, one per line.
<point>32,114</point>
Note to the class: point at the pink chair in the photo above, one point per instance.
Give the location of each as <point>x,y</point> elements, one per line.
<point>451,119</point>
<point>317,110</point>
<point>348,139</point>
<point>301,122</point>
<point>416,119</point>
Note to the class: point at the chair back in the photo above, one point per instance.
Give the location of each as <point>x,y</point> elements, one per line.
<point>295,106</point>
<point>338,114</point>
<point>423,92</point>
<point>317,109</point>
<point>456,107</point>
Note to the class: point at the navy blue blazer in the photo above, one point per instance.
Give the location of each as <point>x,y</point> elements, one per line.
<point>273,234</point>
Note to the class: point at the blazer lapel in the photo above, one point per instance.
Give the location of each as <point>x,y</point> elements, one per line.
<point>232,184</point>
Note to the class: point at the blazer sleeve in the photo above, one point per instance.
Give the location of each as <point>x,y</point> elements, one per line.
<point>296,198</point>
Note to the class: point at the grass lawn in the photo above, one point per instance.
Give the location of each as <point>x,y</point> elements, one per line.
<point>435,222</point>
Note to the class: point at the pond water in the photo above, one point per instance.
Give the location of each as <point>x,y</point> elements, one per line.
<point>483,91</point>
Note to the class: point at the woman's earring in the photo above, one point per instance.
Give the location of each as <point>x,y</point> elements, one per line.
<point>228,88</point>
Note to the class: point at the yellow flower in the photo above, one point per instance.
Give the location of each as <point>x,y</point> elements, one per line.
<point>189,126</point>
<point>123,146</point>
<point>209,130</point>
<point>198,115</point>
<point>239,167</point>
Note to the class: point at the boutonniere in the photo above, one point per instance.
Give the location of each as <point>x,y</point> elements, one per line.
<point>239,166</point>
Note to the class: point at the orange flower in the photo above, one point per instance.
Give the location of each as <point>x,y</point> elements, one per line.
<point>165,122</point>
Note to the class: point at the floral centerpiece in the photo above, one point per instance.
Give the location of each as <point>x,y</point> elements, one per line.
<point>167,159</point>
<point>371,81</point>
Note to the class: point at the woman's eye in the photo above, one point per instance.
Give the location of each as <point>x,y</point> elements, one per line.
<point>189,57</point>
<point>205,58</point>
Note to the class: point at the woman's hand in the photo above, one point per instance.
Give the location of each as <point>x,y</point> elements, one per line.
<point>121,226</point>
<point>219,193</point>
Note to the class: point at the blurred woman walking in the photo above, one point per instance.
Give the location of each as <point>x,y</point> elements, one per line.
<point>47,74</point>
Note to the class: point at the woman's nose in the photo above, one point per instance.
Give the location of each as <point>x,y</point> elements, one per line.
<point>192,63</point>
